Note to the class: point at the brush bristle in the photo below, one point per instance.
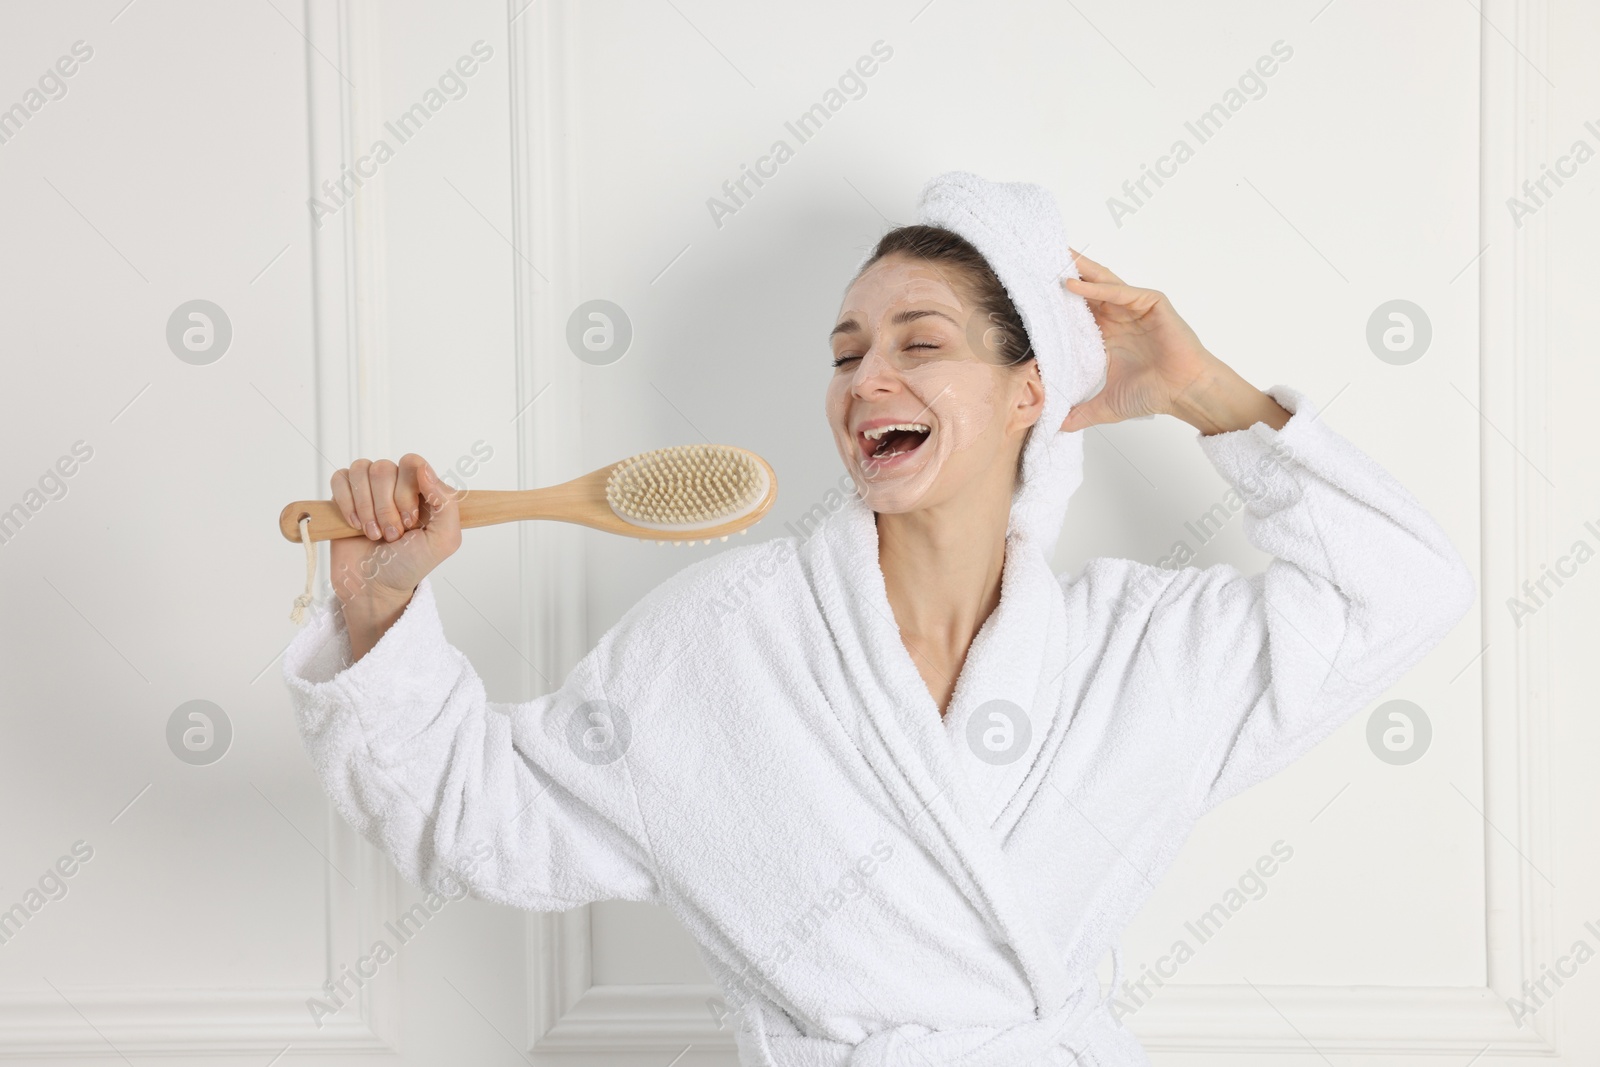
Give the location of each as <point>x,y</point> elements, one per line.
<point>686,487</point>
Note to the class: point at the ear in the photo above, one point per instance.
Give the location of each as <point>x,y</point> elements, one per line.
<point>1028,403</point>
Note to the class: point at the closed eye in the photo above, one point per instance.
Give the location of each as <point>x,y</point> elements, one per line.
<point>840,361</point>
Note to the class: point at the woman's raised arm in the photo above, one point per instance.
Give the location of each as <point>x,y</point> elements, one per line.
<point>528,804</point>
<point>1362,585</point>
<point>1363,582</point>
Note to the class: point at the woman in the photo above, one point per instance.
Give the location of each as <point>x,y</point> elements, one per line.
<point>902,783</point>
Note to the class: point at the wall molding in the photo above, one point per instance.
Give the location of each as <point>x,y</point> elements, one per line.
<point>259,1020</point>
<point>553,557</point>
<point>1517,506</point>
<point>549,382</point>
<point>351,416</point>
<point>569,1014</point>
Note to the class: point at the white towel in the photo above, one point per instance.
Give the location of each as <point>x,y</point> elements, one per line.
<point>1017,227</point>
<point>752,747</point>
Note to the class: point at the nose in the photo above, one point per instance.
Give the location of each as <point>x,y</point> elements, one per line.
<point>873,375</point>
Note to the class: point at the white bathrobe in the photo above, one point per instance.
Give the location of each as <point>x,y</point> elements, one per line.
<point>753,748</point>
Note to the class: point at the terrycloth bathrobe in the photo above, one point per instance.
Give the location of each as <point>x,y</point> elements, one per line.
<point>753,748</point>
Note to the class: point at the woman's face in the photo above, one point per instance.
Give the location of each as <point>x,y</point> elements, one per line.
<point>911,349</point>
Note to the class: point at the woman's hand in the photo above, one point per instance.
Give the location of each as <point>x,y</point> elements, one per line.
<point>412,523</point>
<point>1152,356</point>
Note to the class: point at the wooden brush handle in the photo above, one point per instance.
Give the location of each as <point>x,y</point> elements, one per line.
<point>581,501</point>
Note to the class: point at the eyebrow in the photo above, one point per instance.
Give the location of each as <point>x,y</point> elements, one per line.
<point>900,317</point>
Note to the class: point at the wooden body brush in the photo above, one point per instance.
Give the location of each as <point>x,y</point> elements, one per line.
<point>686,493</point>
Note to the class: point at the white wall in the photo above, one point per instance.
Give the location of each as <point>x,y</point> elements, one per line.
<point>428,311</point>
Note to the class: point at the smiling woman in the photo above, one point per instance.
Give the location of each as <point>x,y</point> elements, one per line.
<point>913,679</point>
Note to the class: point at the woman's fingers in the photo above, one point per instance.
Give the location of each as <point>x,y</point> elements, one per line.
<point>1113,293</point>
<point>1089,270</point>
<point>408,490</point>
<point>1097,284</point>
<point>1091,412</point>
<point>443,529</point>
<point>388,500</point>
<point>384,476</point>
<point>340,485</point>
<point>384,499</point>
<point>380,498</point>
<point>361,494</point>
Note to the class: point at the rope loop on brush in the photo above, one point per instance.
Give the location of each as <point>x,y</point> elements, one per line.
<point>303,602</point>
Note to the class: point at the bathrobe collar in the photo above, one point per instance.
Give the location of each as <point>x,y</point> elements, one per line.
<point>957,796</point>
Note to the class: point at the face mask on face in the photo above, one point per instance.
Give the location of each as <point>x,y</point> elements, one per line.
<point>925,372</point>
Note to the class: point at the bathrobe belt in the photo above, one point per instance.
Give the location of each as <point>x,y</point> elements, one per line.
<point>1074,1027</point>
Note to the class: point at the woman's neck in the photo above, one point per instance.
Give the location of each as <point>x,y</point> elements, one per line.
<point>942,569</point>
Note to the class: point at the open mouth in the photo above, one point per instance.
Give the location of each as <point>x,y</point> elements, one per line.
<point>883,443</point>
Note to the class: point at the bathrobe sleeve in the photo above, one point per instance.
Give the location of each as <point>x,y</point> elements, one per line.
<point>455,788</point>
<point>1362,585</point>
